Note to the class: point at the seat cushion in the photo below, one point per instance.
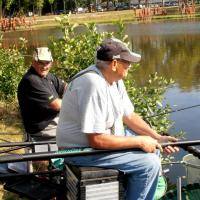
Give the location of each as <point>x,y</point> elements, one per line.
<point>92,172</point>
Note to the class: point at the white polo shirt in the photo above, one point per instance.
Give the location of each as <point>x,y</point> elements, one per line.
<point>91,105</point>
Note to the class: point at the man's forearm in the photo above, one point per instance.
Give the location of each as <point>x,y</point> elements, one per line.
<point>104,141</point>
<point>137,124</point>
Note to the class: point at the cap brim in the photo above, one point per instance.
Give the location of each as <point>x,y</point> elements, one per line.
<point>132,57</point>
<point>42,58</point>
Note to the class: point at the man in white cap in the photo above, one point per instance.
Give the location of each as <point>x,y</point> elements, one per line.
<point>94,109</point>
<point>39,96</point>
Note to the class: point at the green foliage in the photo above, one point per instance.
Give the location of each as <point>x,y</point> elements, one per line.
<point>11,70</point>
<point>51,1</point>
<point>9,3</point>
<point>75,52</point>
<point>148,101</point>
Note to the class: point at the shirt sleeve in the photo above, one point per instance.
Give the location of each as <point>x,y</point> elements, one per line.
<point>59,85</point>
<point>40,91</point>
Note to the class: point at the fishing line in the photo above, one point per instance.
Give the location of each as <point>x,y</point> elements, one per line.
<point>12,149</point>
<point>173,111</point>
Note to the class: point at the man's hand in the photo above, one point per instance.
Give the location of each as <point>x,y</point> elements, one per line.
<point>56,104</point>
<point>168,149</point>
<point>148,144</point>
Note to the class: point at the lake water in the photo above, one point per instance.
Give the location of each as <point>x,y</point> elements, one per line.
<point>170,48</point>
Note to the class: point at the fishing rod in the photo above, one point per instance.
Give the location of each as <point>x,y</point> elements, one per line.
<point>172,111</point>
<point>20,145</point>
<point>178,143</point>
<point>84,152</point>
<point>182,143</point>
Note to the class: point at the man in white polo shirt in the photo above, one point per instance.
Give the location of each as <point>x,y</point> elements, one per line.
<point>94,110</point>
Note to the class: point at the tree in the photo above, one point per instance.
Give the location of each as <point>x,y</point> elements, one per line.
<point>39,5</point>
<point>51,3</point>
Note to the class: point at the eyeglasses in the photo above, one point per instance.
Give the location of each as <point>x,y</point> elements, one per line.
<point>126,64</point>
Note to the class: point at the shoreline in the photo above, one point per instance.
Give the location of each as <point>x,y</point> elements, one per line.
<point>126,16</point>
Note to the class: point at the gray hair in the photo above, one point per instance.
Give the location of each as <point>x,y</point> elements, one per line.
<point>102,64</point>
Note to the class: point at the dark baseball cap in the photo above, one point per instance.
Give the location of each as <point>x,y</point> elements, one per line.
<point>113,48</point>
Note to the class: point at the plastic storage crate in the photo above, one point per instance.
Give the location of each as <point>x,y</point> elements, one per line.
<point>92,183</point>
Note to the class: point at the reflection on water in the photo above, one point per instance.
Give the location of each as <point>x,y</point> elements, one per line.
<point>172,56</point>
<point>35,37</point>
<point>169,48</point>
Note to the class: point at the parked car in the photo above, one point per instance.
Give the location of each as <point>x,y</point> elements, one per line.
<point>99,8</point>
<point>122,6</point>
<point>80,10</point>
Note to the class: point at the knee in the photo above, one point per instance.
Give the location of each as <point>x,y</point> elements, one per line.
<point>152,163</point>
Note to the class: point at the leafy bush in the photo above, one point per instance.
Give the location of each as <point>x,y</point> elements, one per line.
<point>148,101</point>
<point>11,70</point>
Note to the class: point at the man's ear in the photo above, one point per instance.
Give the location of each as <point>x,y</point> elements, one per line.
<point>34,63</point>
<point>114,65</point>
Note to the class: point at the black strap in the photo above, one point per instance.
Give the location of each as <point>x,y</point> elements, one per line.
<point>82,73</point>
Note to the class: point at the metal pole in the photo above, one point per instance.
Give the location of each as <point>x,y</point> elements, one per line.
<point>11,144</point>
<point>179,184</point>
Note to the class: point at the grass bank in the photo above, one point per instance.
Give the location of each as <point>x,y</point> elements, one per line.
<point>113,16</point>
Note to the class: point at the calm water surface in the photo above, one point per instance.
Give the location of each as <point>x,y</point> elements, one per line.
<point>170,48</point>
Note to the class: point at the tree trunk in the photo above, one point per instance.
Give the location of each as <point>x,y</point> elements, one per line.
<point>139,1</point>
<point>64,6</point>
<point>129,4</point>
<point>107,5</point>
<point>146,3</point>
<point>163,3</point>
<point>89,6</point>
<point>1,13</point>
<point>75,5</point>
<point>51,9</point>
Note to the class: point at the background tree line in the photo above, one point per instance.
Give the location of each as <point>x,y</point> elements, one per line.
<point>11,8</point>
